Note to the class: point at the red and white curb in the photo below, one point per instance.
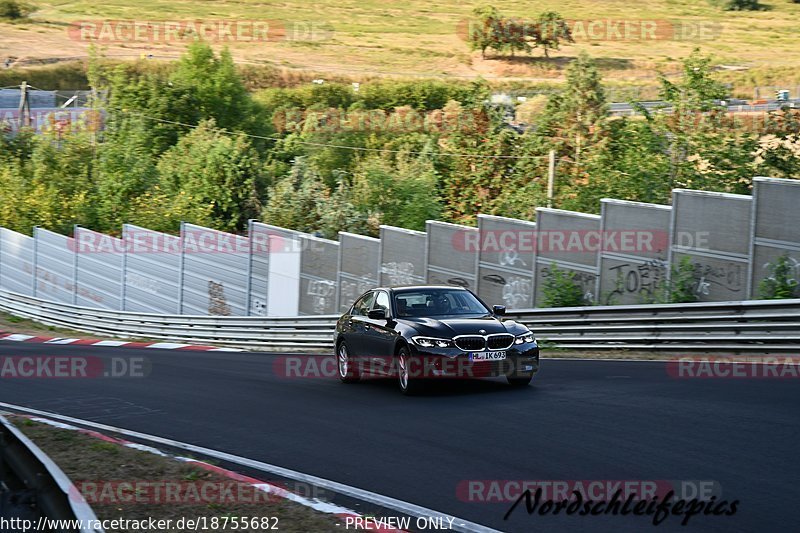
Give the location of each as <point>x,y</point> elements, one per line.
<point>269,488</point>
<point>18,337</point>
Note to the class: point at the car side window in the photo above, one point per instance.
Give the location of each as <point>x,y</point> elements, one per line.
<point>363,305</point>
<point>382,302</point>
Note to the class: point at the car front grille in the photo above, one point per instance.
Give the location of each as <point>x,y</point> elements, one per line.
<point>472,343</point>
<point>486,369</point>
<point>500,342</point>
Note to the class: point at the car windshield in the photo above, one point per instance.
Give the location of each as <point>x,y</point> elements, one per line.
<point>438,302</point>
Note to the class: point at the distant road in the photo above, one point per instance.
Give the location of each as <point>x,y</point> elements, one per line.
<point>580,420</point>
<point>733,106</point>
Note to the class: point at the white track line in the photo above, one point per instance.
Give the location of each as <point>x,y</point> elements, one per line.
<point>18,337</point>
<point>386,502</point>
<point>110,343</point>
<point>59,340</point>
<point>167,345</point>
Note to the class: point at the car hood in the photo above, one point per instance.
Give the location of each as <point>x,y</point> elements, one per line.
<point>450,326</point>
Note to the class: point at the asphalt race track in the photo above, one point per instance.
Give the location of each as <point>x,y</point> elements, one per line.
<point>580,420</point>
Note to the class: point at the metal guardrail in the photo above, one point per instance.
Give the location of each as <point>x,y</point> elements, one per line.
<point>28,473</point>
<point>306,332</point>
<point>754,326</point>
<point>764,326</point>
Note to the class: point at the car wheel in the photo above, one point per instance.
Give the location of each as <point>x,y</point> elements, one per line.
<point>520,380</point>
<point>348,372</point>
<point>408,384</point>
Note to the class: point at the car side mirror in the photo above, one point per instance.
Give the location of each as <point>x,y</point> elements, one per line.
<point>377,314</point>
<point>499,309</point>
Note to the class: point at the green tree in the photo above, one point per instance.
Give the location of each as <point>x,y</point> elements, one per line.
<point>400,191</point>
<point>682,284</point>
<point>778,156</point>
<point>217,88</point>
<point>62,190</point>
<point>125,171</point>
<point>575,118</point>
<point>486,32</point>
<point>781,281</point>
<point>166,108</point>
<point>552,31</point>
<point>472,182</point>
<point>560,288</point>
<point>697,90</point>
<point>741,5</point>
<point>15,187</point>
<point>15,10</point>
<point>631,165</point>
<point>301,201</point>
<point>216,169</point>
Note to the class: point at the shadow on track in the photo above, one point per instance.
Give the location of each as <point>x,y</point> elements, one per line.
<point>448,387</point>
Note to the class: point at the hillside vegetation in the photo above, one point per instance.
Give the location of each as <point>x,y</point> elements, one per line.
<point>191,143</point>
<point>419,37</point>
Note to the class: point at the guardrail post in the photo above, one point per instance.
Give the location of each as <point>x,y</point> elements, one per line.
<point>35,261</point>
<point>75,246</point>
<point>181,267</point>
<point>249,289</point>
<point>123,273</point>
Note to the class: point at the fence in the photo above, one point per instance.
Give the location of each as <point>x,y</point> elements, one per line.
<point>623,256</point>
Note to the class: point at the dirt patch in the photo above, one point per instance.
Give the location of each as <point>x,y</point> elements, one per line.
<point>15,324</point>
<point>99,468</point>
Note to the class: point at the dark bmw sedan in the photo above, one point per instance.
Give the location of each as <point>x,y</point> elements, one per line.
<point>416,333</point>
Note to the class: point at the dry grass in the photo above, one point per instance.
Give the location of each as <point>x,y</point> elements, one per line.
<point>86,459</point>
<point>365,37</point>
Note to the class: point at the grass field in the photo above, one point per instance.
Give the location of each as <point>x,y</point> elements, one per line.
<point>420,37</point>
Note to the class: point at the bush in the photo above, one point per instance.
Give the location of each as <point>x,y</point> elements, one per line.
<point>14,10</point>
<point>682,284</point>
<point>742,5</point>
<point>561,289</point>
<point>781,282</point>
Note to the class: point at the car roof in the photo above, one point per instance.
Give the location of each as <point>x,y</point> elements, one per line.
<point>409,288</point>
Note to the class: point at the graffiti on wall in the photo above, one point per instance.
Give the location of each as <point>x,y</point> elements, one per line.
<point>400,273</point>
<point>516,289</point>
<point>217,303</point>
<point>642,279</point>
<point>322,293</point>
<point>729,276</point>
<point>353,289</point>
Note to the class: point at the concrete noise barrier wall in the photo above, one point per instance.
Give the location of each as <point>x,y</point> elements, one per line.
<point>626,255</point>
<point>632,263</point>
<point>506,263</point>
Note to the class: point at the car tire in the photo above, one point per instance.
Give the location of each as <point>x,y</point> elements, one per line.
<point>520,380</point>
<point>348,371</point>
<point>408,384</point>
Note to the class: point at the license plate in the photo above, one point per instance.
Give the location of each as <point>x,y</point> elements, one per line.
<point>487,356</point>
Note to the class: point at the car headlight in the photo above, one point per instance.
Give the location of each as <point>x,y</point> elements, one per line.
<point>432,342</point>
<point>524,338</point>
